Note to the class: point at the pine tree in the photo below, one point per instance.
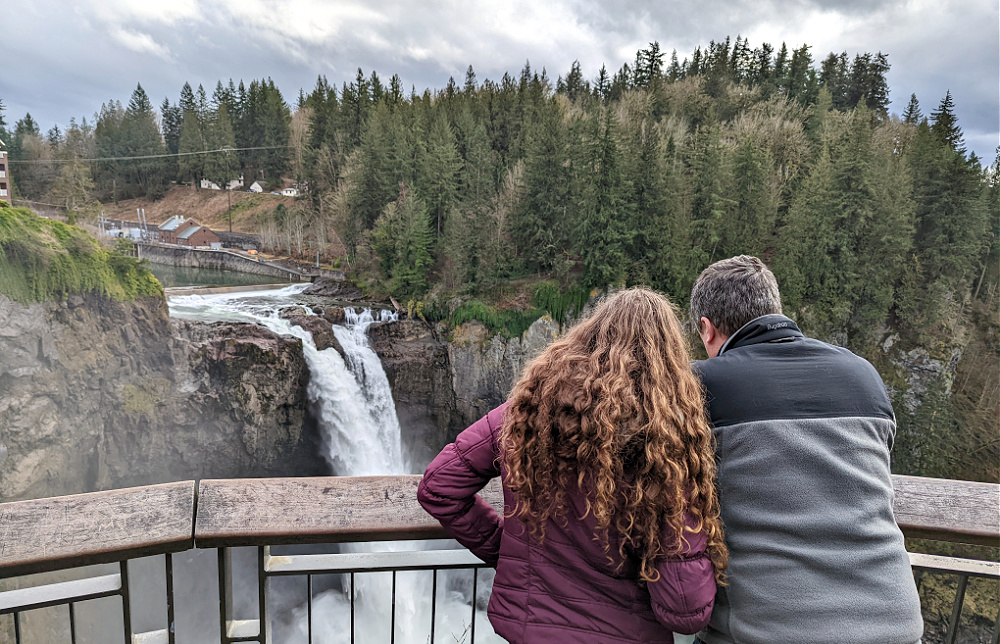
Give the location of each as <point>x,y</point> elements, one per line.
<point>171,118</point>
<point>804,263</point>
<point>277,120</point>
<point>944,124</point>
<point>141,137</point>
<point>605,233</point>
<point>537,221</point>
<point>712,203</point>
<point>576,86</point>
<point>756,206</point>
<point>835,78</point>
<point>191,166</point>
<point>402,238</point>
<point>438,166</point>
<point>221,167</point>
<point>475,184</point>
<point>470,82</point>
<point>602,84</point>
<point>803,83</point>
<point>912,114</point>
<point>952,218</point>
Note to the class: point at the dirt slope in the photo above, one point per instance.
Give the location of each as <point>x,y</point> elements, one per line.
<point>207,207</point>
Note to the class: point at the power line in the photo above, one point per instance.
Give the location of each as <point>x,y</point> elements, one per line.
<point>42,203</point>
<point>148,156</point>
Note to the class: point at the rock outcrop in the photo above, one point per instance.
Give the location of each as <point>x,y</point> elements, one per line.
<point>443,381</point>
<point>97,394</point>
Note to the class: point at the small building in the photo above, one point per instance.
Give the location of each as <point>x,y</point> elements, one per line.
<point>290,192</point>
<point>234,184</point>
<point>256,187</point>
<point>4,181</point>
<point>196,236</point>
<point>173,227</point>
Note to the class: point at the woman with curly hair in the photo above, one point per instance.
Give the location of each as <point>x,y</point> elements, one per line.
<point>611,528</point>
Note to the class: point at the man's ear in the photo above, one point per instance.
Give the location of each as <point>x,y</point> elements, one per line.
<point>706,330</point>
<point>711,337</point>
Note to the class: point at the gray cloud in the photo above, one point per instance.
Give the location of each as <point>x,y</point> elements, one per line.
<point>66,62</point>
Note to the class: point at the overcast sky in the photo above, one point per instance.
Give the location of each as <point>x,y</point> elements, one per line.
<point>63,59</point>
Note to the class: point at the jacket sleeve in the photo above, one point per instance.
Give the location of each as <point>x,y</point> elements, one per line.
<point>449,486</point>
<point>684,595</point>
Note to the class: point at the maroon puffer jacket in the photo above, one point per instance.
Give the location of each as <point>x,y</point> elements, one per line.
<point>565,590</point>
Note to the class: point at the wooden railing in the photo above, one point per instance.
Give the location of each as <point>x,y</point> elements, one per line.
<point>118,525</point>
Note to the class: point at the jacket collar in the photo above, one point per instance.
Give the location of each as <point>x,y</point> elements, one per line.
<point>766,328</point>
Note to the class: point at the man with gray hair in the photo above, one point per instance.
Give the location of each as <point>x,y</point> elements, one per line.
<point>803,432</point>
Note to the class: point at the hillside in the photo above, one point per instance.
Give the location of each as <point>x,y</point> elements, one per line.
<point>207,207</point>
<point>42,259</point>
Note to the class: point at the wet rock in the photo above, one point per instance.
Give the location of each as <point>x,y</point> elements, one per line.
<point>98,394</point>
<point>340,290</point>
<point>321,330</point>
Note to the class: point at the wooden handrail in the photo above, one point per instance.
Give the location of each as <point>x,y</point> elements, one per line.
<point>254,512</point>
<point>948,510</point>
<point>101,527</point>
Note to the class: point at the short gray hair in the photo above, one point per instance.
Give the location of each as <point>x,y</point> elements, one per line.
<point>733,291</point>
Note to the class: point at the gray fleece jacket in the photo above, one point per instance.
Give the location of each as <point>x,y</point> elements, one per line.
<point>804,431</point>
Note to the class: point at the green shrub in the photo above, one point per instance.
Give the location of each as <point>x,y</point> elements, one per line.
<point>508,322</point>
<point>41,258</point>
<point>559,304</point>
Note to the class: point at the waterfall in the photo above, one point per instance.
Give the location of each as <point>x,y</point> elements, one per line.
<point>352,402</point>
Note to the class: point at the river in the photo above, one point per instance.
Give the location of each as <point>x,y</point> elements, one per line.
<point>173,276</point>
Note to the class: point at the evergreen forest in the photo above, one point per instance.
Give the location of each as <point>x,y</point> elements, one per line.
<point>501,200</point>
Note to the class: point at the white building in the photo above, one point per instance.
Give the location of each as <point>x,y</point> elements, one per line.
<point>290,192</point>
<point>256,187</point>
<point>235,184</point>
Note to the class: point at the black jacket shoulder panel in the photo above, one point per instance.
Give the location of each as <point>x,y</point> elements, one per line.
<point>789,378</point>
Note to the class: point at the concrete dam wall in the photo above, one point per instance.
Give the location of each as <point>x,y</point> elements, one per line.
<point>215,259</point>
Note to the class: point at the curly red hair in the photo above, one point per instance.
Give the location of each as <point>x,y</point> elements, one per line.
<point>614,405</point>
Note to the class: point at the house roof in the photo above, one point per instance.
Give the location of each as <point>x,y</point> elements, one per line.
<point>190,231</point>
<point>173,222</point>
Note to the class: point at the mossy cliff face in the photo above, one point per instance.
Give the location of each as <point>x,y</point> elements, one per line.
<point>97,393</point>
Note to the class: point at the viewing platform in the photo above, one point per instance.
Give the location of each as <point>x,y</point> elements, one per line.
<point>117,527</point>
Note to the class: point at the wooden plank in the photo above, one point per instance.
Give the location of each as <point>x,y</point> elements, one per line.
<point>336,509</point>
<point>253,512</point>
<point>947,510</point>
<point>99,527</point>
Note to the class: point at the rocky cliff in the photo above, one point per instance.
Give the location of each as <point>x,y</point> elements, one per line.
<point>443,379</point>
<point>97,394</point>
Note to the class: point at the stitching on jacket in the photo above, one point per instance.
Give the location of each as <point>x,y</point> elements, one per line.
<point>461,454</point>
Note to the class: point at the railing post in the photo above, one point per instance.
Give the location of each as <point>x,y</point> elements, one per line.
<point>263,585</point>
<point>169,566</point>
<point>225,594</point>
<point>956,609</point>
<point>126,603</point>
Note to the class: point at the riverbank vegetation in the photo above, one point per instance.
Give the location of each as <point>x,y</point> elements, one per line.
<point>41,259</point>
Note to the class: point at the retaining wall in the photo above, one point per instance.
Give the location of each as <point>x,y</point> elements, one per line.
<point>217,259</point>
